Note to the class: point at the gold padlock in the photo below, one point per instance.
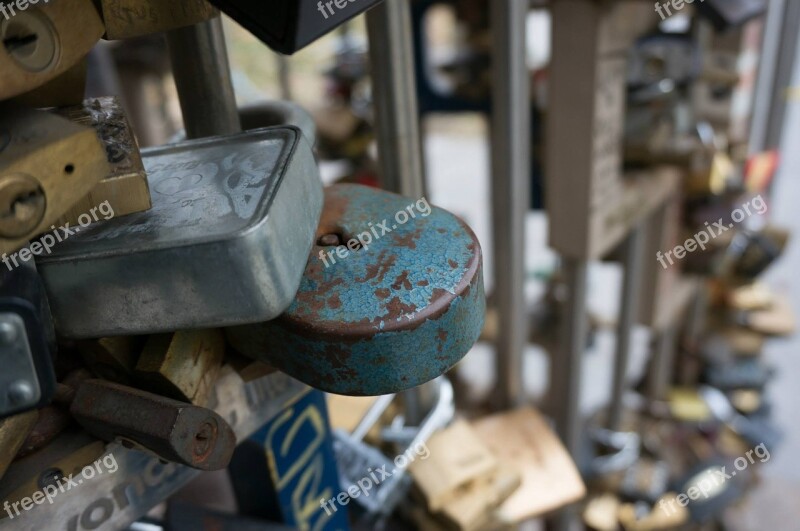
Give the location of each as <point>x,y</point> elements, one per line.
<point>13,432</point>
<point>112,358</point>
<point>47,164</point>
<point>44,41</point>
<point>125,188</point>
<point>66,89</point>
<point>183,365</point>
<point>133,18</point>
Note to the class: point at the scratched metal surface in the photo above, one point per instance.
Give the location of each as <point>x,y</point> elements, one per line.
<point>386,318</point>
<point>224,243</point>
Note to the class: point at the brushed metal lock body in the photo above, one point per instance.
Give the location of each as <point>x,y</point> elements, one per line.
<point>44,41</point>
<point>378,318</point>
<point>224,244</point>
<point>287,26</point>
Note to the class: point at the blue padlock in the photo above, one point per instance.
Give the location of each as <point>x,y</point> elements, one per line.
<point>392,297</point>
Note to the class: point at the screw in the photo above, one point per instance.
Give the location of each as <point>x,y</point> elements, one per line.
<point>8,333</point>
<point>22,205</point>
<point>20,392</point>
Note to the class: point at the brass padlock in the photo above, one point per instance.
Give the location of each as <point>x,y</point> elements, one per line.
<point>47,164</point>
<point>125,188</point>
<point>112,358</point>
<point>182,365</point>
<point>13,432</point>
<point>64,90</point>
<point>133,18</point>
<point>44,41</point>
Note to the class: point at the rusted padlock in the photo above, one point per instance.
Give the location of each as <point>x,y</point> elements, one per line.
<point>392,297</point>
<point>172,430</point>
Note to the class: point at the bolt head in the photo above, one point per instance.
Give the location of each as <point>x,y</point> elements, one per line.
<point>20,392</point>
<point>8,333</point>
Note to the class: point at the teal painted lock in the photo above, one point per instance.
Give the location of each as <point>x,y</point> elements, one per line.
<point>392,297</point>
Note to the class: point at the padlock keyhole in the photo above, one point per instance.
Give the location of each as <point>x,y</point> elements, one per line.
<point>30,39</point>
<point>21,45</point>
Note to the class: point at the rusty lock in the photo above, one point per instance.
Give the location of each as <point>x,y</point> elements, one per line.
<point>391,298</point>
<point>172,430</point>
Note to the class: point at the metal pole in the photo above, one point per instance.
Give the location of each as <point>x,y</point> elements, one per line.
<point>776,68</point>
<point>510,143</point>
<point>399,140</point>
<point>394,92</point>
<point>627,316</point>
<point>660,375</point>
<point>567,370</point>
<point>203,78</point>
<point>567,374</point>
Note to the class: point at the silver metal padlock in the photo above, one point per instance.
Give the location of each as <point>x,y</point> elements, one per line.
<point>354,456</point>
<point>225,243</point>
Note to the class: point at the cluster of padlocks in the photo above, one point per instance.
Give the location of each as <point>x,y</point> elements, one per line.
<point>137,287</point>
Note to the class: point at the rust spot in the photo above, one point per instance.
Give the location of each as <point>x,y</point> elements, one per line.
<point>402,282</point>
<point>383,293</point>
<point>397,308</point>
<point>334,302</point>
<point>408,240</point>
<point>378,270</point>
<point>453,263</point>
<point>423,283</point>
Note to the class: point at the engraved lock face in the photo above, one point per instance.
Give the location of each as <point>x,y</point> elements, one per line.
<point>239,212</point>
<point>133,18</point>
<point>31,40</point>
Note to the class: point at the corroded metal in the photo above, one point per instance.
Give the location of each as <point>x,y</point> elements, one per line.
<point>172,430</point>
<point>403,305</point>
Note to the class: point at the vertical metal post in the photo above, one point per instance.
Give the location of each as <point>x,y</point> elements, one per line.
<point>203,78</point>
<point>567,368</point>
<point>661,365</point>
<point>284,76</point>
<point>567,373</point>
<point>511,145</point>
<point>775,71</point>
<point>627,316</point>
<point>394,92</point>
